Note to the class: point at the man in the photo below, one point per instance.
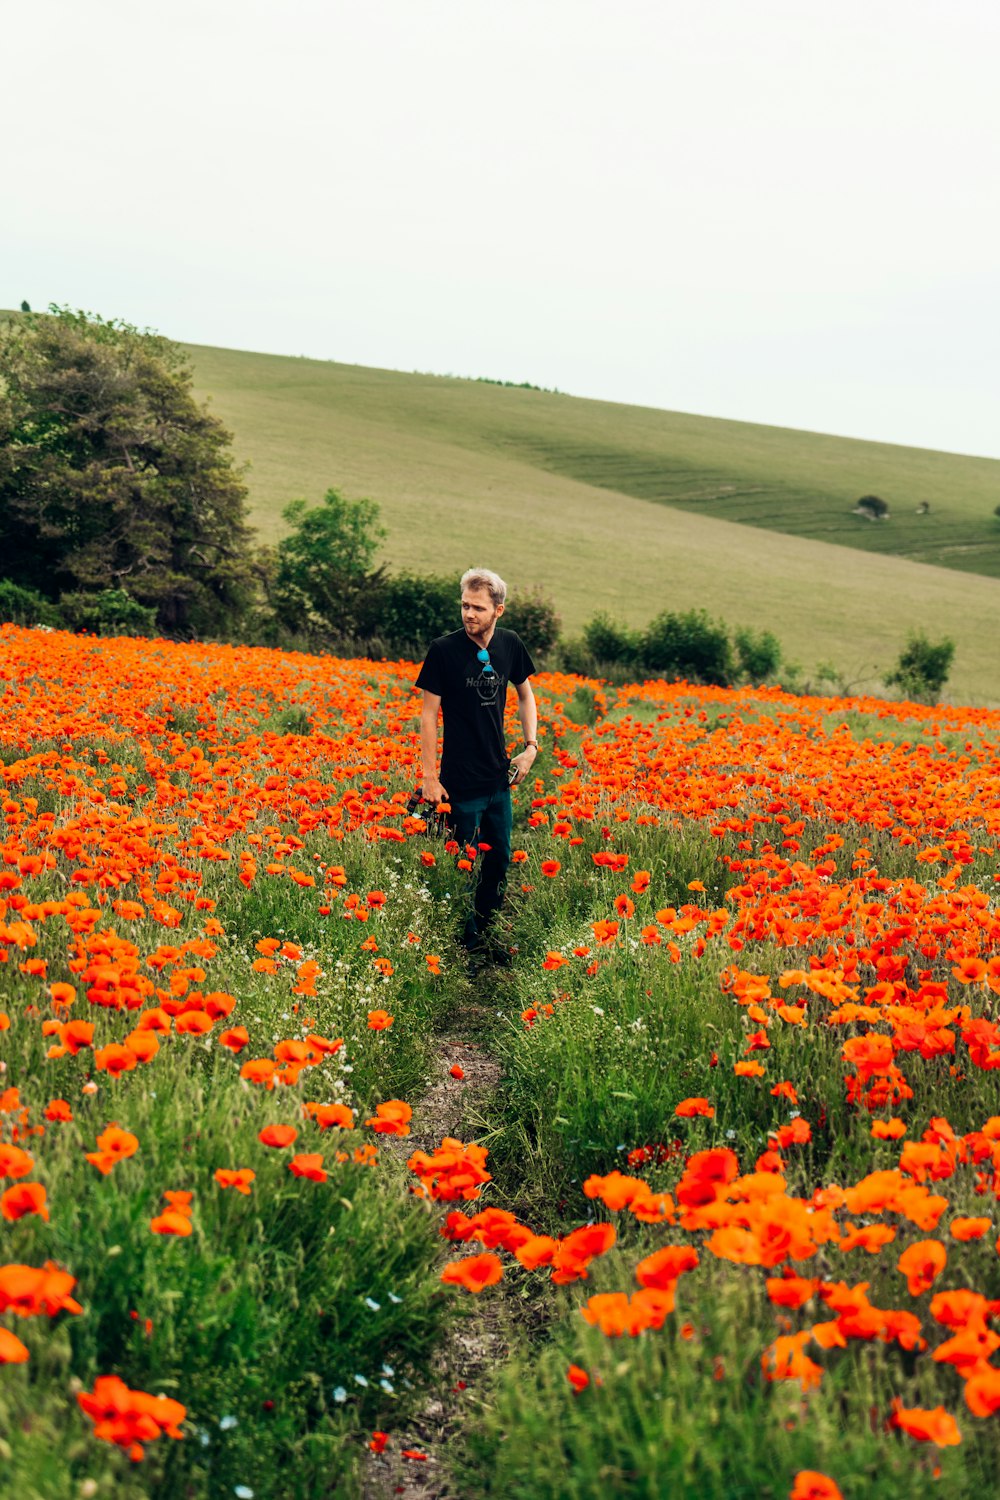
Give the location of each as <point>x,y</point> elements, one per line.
<point>465,676</point>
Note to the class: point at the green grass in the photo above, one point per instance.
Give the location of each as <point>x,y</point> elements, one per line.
<point>692,1417</point>
<point>634,510</point>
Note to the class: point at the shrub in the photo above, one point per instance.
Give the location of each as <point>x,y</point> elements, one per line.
<point>108,612</point>
<point>573,656</point>
<point>20,606</point>
<point>688,645</point>
<point>407,612</point>
<point>534,618</point>
<point>758,653</point>
<point>922,669</point>
<point>608,641</point>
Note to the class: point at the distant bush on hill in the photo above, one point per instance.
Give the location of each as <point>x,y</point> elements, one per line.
<point>873,507</point>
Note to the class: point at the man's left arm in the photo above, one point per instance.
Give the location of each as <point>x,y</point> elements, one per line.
<point>528,714</point>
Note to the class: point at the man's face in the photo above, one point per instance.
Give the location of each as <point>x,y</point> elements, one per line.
<point>479,613</point>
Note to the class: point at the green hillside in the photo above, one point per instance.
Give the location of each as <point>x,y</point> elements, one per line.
<point>801,483</point>
<point>635,510</point>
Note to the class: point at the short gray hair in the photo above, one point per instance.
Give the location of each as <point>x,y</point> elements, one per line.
<point>484,578</point>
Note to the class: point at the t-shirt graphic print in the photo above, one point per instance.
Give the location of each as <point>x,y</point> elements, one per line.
<point>474,758</point>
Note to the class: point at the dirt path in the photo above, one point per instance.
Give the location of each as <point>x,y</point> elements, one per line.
<point>477,1343</point>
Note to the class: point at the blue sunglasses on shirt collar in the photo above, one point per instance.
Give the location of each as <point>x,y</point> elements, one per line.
<point>484,656</point>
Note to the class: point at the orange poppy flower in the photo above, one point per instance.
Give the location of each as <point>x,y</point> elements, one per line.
<point>474,1272</point>
<point>327,1115</point>
<point>14,1162</point>
<point>22,1199</point>
<point>689,1109</point>
<point>811,1485</point>
<point>391,1118</point>
<point>171,1222</point>
<point>240,1178</point>
<point>12,1351</point>
<point>969,1229</point>
<point>308,1164</point>
<point>921,1264</point>
<point>935,1426</point>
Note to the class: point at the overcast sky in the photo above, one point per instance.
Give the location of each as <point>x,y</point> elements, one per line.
<point>775,210</point>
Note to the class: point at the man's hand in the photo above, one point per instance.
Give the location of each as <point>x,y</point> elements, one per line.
<point>432,791</point>
<point>524,763</point>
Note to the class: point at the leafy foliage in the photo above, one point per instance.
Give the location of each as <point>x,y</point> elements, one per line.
<point>675,645</point>
<point>109,612</point>
<point>534,617</point>
<point>407,611</point>
<point>608,641</point>
<point>688,644</point>
<point>758,653</point>
<point>112,475</point>
<point>922,669</point>
<point>325,565</point>
<point>23,606</point>
<point>327,586</point>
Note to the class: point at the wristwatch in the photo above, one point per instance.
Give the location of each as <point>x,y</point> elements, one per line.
<point>531,742</point>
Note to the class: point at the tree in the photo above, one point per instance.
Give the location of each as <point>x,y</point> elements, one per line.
<point>873,507</point>
<point>325,564</point>
<point>113,477</point>
<point>25,306</point>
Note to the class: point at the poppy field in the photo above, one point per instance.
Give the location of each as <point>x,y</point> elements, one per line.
<point>729,1212</point>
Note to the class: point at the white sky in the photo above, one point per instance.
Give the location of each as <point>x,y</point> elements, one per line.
<point>783,211</point>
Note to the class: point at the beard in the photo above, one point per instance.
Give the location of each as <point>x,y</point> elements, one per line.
<point>477,631</point>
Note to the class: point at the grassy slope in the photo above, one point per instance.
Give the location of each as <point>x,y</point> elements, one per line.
<point>465,473</point>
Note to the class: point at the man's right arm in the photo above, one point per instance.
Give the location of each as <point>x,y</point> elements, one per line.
<point>431,788</point>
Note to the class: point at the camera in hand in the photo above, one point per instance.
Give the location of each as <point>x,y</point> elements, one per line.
<point>437,821</point>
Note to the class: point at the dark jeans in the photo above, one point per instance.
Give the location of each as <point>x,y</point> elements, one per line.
<point>485,820</point>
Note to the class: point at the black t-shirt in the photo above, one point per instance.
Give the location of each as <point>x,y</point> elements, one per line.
<point>474,758</point>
